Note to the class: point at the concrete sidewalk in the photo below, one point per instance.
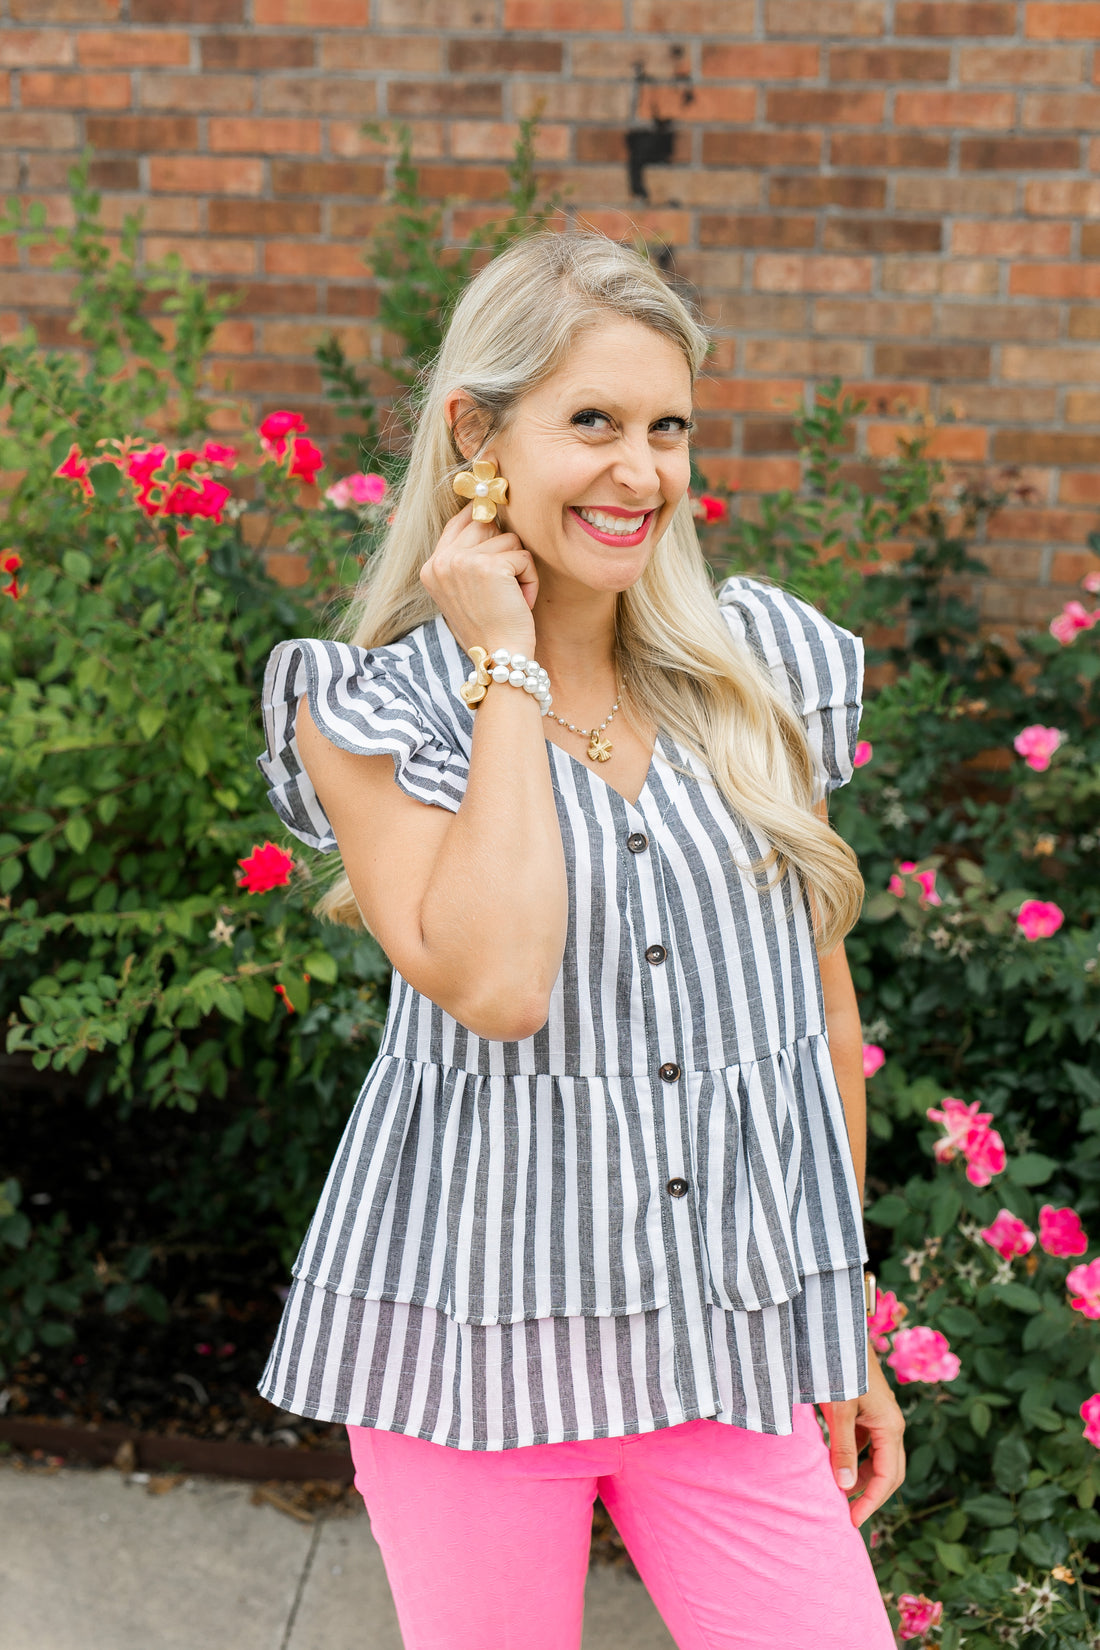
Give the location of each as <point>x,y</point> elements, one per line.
<point>89,1560</point>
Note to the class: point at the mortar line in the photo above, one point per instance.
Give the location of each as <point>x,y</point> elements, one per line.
<point>301,1587</point>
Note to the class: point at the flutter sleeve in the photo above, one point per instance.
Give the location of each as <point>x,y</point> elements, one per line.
<point>371,702</point>
<point>817,663</point>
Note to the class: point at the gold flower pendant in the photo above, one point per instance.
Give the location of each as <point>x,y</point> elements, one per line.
<point>481,483</point>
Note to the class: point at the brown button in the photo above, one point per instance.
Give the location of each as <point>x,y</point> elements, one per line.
<point>655,953</point>
<point>677,1188</point>
<point>637,842</point>
<point>669,1072</point>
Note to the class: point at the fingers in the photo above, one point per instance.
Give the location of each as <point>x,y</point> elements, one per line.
<point>843,1453</point>
<point>879,1476</point>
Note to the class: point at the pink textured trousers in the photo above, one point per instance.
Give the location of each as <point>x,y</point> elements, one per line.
<point>743,1539</point>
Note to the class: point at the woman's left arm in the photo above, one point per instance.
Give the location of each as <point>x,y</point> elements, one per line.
<point>873,1417</point>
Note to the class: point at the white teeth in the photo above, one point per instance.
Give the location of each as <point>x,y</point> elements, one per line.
<point>622,526</point>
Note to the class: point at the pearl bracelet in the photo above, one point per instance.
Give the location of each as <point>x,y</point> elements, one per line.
<point>501,666</point>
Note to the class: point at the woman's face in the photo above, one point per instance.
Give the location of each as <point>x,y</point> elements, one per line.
<point>596,458</point>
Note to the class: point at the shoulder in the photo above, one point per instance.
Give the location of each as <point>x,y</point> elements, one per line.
<point>810,655</point>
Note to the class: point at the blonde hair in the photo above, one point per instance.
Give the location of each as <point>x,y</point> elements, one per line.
<point>679,665</point>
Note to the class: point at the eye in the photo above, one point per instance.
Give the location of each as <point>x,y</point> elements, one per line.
<point>590,419</point>
<point>674,425</point>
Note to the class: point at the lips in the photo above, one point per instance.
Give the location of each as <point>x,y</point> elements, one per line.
<point>599,526</point>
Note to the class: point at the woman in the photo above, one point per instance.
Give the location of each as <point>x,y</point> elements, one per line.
<point>594,1226</point>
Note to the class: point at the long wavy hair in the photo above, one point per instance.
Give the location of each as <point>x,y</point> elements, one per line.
<point>679,665</point>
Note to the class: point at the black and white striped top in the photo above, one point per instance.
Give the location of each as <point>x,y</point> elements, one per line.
<point>664,1166</point>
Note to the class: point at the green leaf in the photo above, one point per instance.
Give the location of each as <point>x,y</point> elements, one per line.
<point>990,1510</point>
<point>1018,1296</point>
<point>1011,1462</point>
<point>40,857</point>
<point>77,833</point>
<point>890,1210</point>
<point>952,1557</point>
<point>77,565</point>
<point>1031,1169</point>
<point>943,1211</point>
<point>319,965</point>
<point>980,1417</point>
<point>107,481</point>
<point>1038,1549</point>
<point>150,720</point>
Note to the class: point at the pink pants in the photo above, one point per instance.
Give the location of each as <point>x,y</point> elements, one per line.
<point>743,1539</point>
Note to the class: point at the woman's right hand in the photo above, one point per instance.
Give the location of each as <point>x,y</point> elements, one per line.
<point>484,583</point>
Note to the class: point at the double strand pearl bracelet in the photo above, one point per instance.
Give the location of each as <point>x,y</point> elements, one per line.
<point>501,666</point>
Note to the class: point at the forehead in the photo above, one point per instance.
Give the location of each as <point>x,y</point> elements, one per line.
<point>624,359</point>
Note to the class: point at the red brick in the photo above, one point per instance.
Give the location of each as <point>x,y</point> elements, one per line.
<point>331,261</point>
<point>325,177</point>
<point>317,95</point>
<point>504,56</point>
<point>1065,526</point>
<point>144,133</point>
<point>705,17</point>
<point>356,222</point>
<point>593,16</point>
<point>206,174</point>
<point>205,256</point>
<point>882,235</point>
<point>913,193</point>
<point>281,378</point>
<point>755,475</point>
<point>1063,111</point>
<point>762,148</point>
<point>112,173</point>
<point>948,441</point>
<point>1021,65</point>
<point>378,53</point>
<point>1070,566</point>
<point>984,109</point>
<point>435,97</point>
<point>27,131</point>
<point>41,90</point>
<point>1033,364</point>
<point>922,276</point>
<point>1063,198</point>
<point>451,15</point>
<point>859,319</point>
<point>1079,487</point>
<point>602,58</point>
<point>163,214</point>
<point>257,51</point>
<point>496,140</point>
<point>1090,238</point>
<point>215,92</point>
<point>1045,447</point>
<point>749,394</point>
<point>1018,154</point>
<point>856,192</point>
<point>318,14</point>
<point>352,300</point>
<point>776,273</point>
<point>889,63</point>
<point>1004,404</point>
<point>773,61</point>
<point>1055,280</point>
<point>809,357</point>
<point>1077,20</point>
<point>39,288</point>
<point>809,106</point>
<point>349,139</point>
<point>1011,240</point>
<point>262,218</point>
<point>692,186</point>
<point>133,49</point>
<point>824,17</point>
<point>1034,323</point>
<point>300,338</point>
<point>739,229</point>
<point>955,17</point>
<point>889,150</point>
<point>64,11</point>
<point>932,360</point>
<point>729,104</point>
<point>248,136</point>
<point>564,100</point>
<point>768,435</point>
<point>22,48</point>
<point>271,297</point>
<point>187,11</point>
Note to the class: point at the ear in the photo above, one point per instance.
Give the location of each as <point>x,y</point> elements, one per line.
<point>466,421</point>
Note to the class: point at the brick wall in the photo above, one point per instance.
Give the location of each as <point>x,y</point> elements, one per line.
<point>905,192</point>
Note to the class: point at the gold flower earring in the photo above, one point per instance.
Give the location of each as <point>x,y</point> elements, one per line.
<point>481,483</point>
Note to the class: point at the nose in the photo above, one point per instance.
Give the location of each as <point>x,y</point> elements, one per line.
<point>635,468</point>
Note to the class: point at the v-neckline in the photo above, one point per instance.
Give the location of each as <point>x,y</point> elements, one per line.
<point>590,768</point>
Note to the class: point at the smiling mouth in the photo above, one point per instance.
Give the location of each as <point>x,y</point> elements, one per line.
<point>612,527</point>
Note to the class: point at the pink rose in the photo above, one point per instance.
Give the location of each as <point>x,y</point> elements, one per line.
<point>74,467</point>
<point>1061,1232</point>
<point>306,460</point>
<point>863,753</point>
<point>1091,583</point>
<point>985,1157</point>
<point>927,880</point>
<point>1070,620</point>
<point>208,499</point>
<point>1037,745</point>
<point>874,1057</point>
<point>357,489</point>
<point>214,453</point>
<point>1085,1280</point>
<point>968,1132</point>
<point>896,886</point>
<point>923,1354</point>
<point>266,867</point>
<point>707,508</point>
<point>886,1317</point>
<point>918,1613</point>
<point>1009,1235</point>
<point>275,429</point>
<point>1090,1414</point>
<point>1040,918</point>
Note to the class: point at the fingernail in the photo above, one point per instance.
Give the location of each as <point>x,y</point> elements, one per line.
<point>846,1478</point>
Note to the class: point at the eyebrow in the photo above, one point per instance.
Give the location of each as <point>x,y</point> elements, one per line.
<point>602,402</point>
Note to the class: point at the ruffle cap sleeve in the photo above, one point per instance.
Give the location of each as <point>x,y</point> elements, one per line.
<point>373,702</point>
<point>817,663</point>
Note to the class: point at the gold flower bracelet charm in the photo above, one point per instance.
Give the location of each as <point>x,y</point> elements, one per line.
<point>474,690</point>
<point>481,483</point>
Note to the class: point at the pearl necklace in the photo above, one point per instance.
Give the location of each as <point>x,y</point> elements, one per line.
<point>599,749</point>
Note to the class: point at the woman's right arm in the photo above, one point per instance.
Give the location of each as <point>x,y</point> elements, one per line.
<point>471,908</point>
